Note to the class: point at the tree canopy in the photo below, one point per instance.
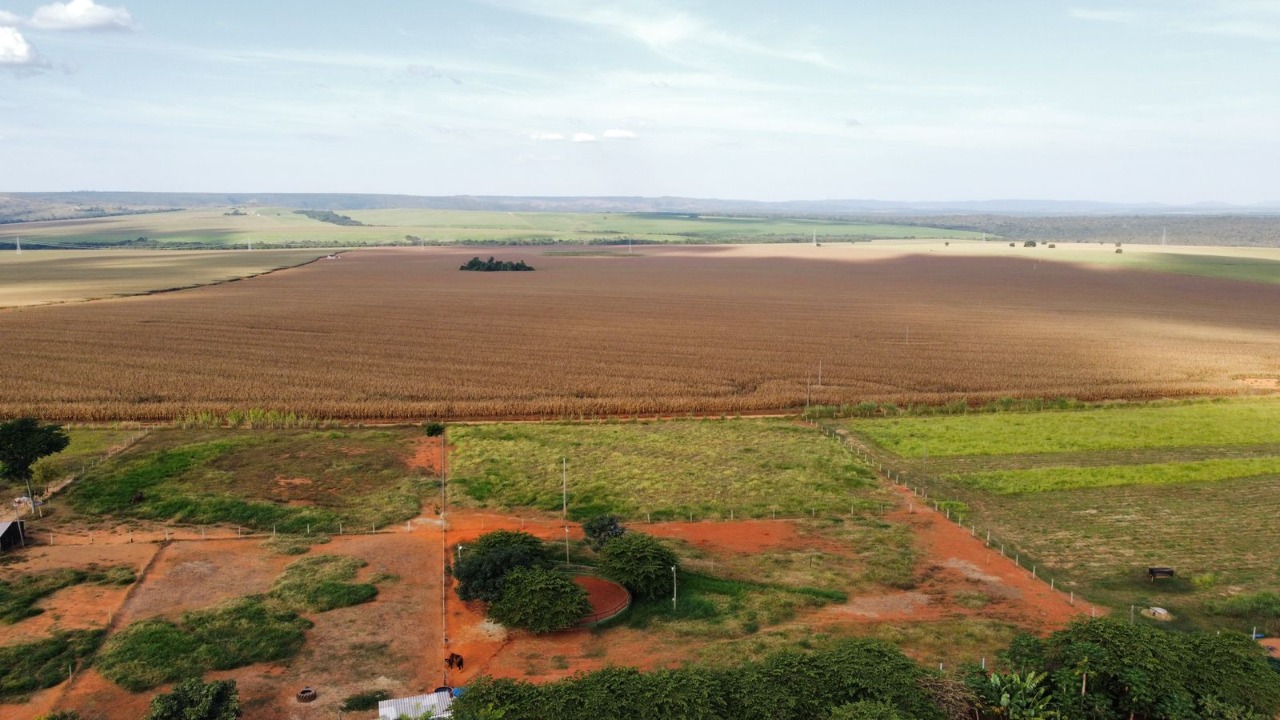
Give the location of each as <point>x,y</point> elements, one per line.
<point>23,442</point>
<point>492,265</point>
<point>601,529</point>
<point>540,600</point>
<point>640,562</point>
<point>485,563</point>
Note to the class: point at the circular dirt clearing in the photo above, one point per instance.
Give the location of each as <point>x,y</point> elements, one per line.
<point>607,598</point>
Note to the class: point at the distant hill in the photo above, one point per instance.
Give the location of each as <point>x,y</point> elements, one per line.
<point>20,207</point>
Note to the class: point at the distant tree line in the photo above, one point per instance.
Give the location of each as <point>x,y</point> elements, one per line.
<point>491,265</point>
<point>330,217</point>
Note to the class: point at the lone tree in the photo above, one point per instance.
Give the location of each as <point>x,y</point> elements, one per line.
<point>601,529</point>
<point>540,601</point>
<point>485,563</point>
<point>639,562</point>
<point>196,700</point>
<point>22,443</point>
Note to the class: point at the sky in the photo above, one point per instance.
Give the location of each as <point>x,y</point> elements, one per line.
<point>1174,101</point>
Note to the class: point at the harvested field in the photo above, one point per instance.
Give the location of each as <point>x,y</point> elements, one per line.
<point>403,334</point>
<point>61,276</point>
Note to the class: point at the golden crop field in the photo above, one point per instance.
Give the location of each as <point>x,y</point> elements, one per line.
<point>57,276</point>
<point>401,334</point>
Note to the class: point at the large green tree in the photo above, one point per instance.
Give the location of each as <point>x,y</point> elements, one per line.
<point>197,700</point>
<point>640,562</point>
<point>540,601</point>
<point>22,443</point>
<point>484,564</point>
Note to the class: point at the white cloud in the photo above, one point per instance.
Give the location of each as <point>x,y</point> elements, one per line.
<point>584,138</point>
<point>615,134</point>
<point>81,15</point>
<point>8,18</point>
<point>15,50</point>
<point>546,137</point>
<point>1097,15</point>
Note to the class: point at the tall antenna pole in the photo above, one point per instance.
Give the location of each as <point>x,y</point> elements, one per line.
<point>1164,236</point>
<point>19,245</point>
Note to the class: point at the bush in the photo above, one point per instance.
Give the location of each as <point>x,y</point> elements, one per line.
<point>157,651</point>
<point>196,700</point>
<point>364,701</point>
<point>601,529</point>
<point>641,563</point>
<point>866,710</point>
<point>1029,243</point>
<point>433,429</point>
<point>37,665</point>
<point>485,563</point>
<point>540,601</point>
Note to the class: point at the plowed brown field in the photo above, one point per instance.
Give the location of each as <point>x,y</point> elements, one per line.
<point>402,334</point>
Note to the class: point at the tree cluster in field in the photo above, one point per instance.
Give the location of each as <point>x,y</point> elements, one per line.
<point>512,572</point>
<point>1103,669</point>
<point>330,217</point>
<point>491,265</point>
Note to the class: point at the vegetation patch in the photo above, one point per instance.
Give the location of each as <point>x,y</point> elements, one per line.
<point>663,469</point>
<point>321,583</point>
<point>34,666</point>
<point>243,632</point>
<point>361,702</point>
<point>1197,424</point>
<point>18,596</point>
<point>475,264</point>
<point>289,481</point>
<point>1069,478</point>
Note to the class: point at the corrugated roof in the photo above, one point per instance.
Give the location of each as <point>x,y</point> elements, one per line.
<point>437,704</point>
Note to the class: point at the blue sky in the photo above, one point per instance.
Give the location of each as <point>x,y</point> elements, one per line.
<point>1130,100</point>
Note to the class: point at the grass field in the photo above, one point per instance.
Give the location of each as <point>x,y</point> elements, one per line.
<point>87,447</point>
<point>753,468</point>
<point>1239,422</point>
<point>278,227</point>
<point>58,276</point>
<point>1097,496</point>
<point>402,334</point>
<point>293,481</point>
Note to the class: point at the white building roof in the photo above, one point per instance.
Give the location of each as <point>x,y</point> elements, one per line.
<point>435,705</point>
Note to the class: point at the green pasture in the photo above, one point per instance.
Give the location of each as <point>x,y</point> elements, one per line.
<point>1200,424</point>
<point>752,468</point>
<point>1094,497</point>
<point>1007,482</point>
<point>290,480</point>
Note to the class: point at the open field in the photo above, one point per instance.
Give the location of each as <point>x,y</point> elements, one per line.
<point>58,276</point>
<point>403,334</point>
<point>753,468</point>
<point>748,587</point>
<point>1239,422</point>
<point>279,227</point>
<point>258,480</point>
<point>1097,496</point>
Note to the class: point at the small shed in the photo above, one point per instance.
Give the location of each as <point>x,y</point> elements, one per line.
<point>12,534</point>
<point>436,705</point>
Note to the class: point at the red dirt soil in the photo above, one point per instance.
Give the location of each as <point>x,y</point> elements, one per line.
<point>426,455</point>
<point>743,536</point>
<point>607,598</point>
<point>959,563</point>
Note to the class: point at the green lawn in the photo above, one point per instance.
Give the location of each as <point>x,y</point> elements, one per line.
<point>1235,422</point>
<point>669,469</point>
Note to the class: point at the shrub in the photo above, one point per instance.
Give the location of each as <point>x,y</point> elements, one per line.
<point>433,429</point>
<point>601,529</point>
<point>196,700</point>
<point>540,601</point>
<point>485,563</point>
<point>1029,243</point>
<point>641,563</point>
<point>364,701</point>
<point>157,651</point>
<point>866,710</point>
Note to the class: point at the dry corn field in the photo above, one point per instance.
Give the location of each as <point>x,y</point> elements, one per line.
<point>402,334</point>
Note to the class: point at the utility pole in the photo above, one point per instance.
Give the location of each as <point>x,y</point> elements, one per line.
<point>674,588</point>
<point>564,506</point>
